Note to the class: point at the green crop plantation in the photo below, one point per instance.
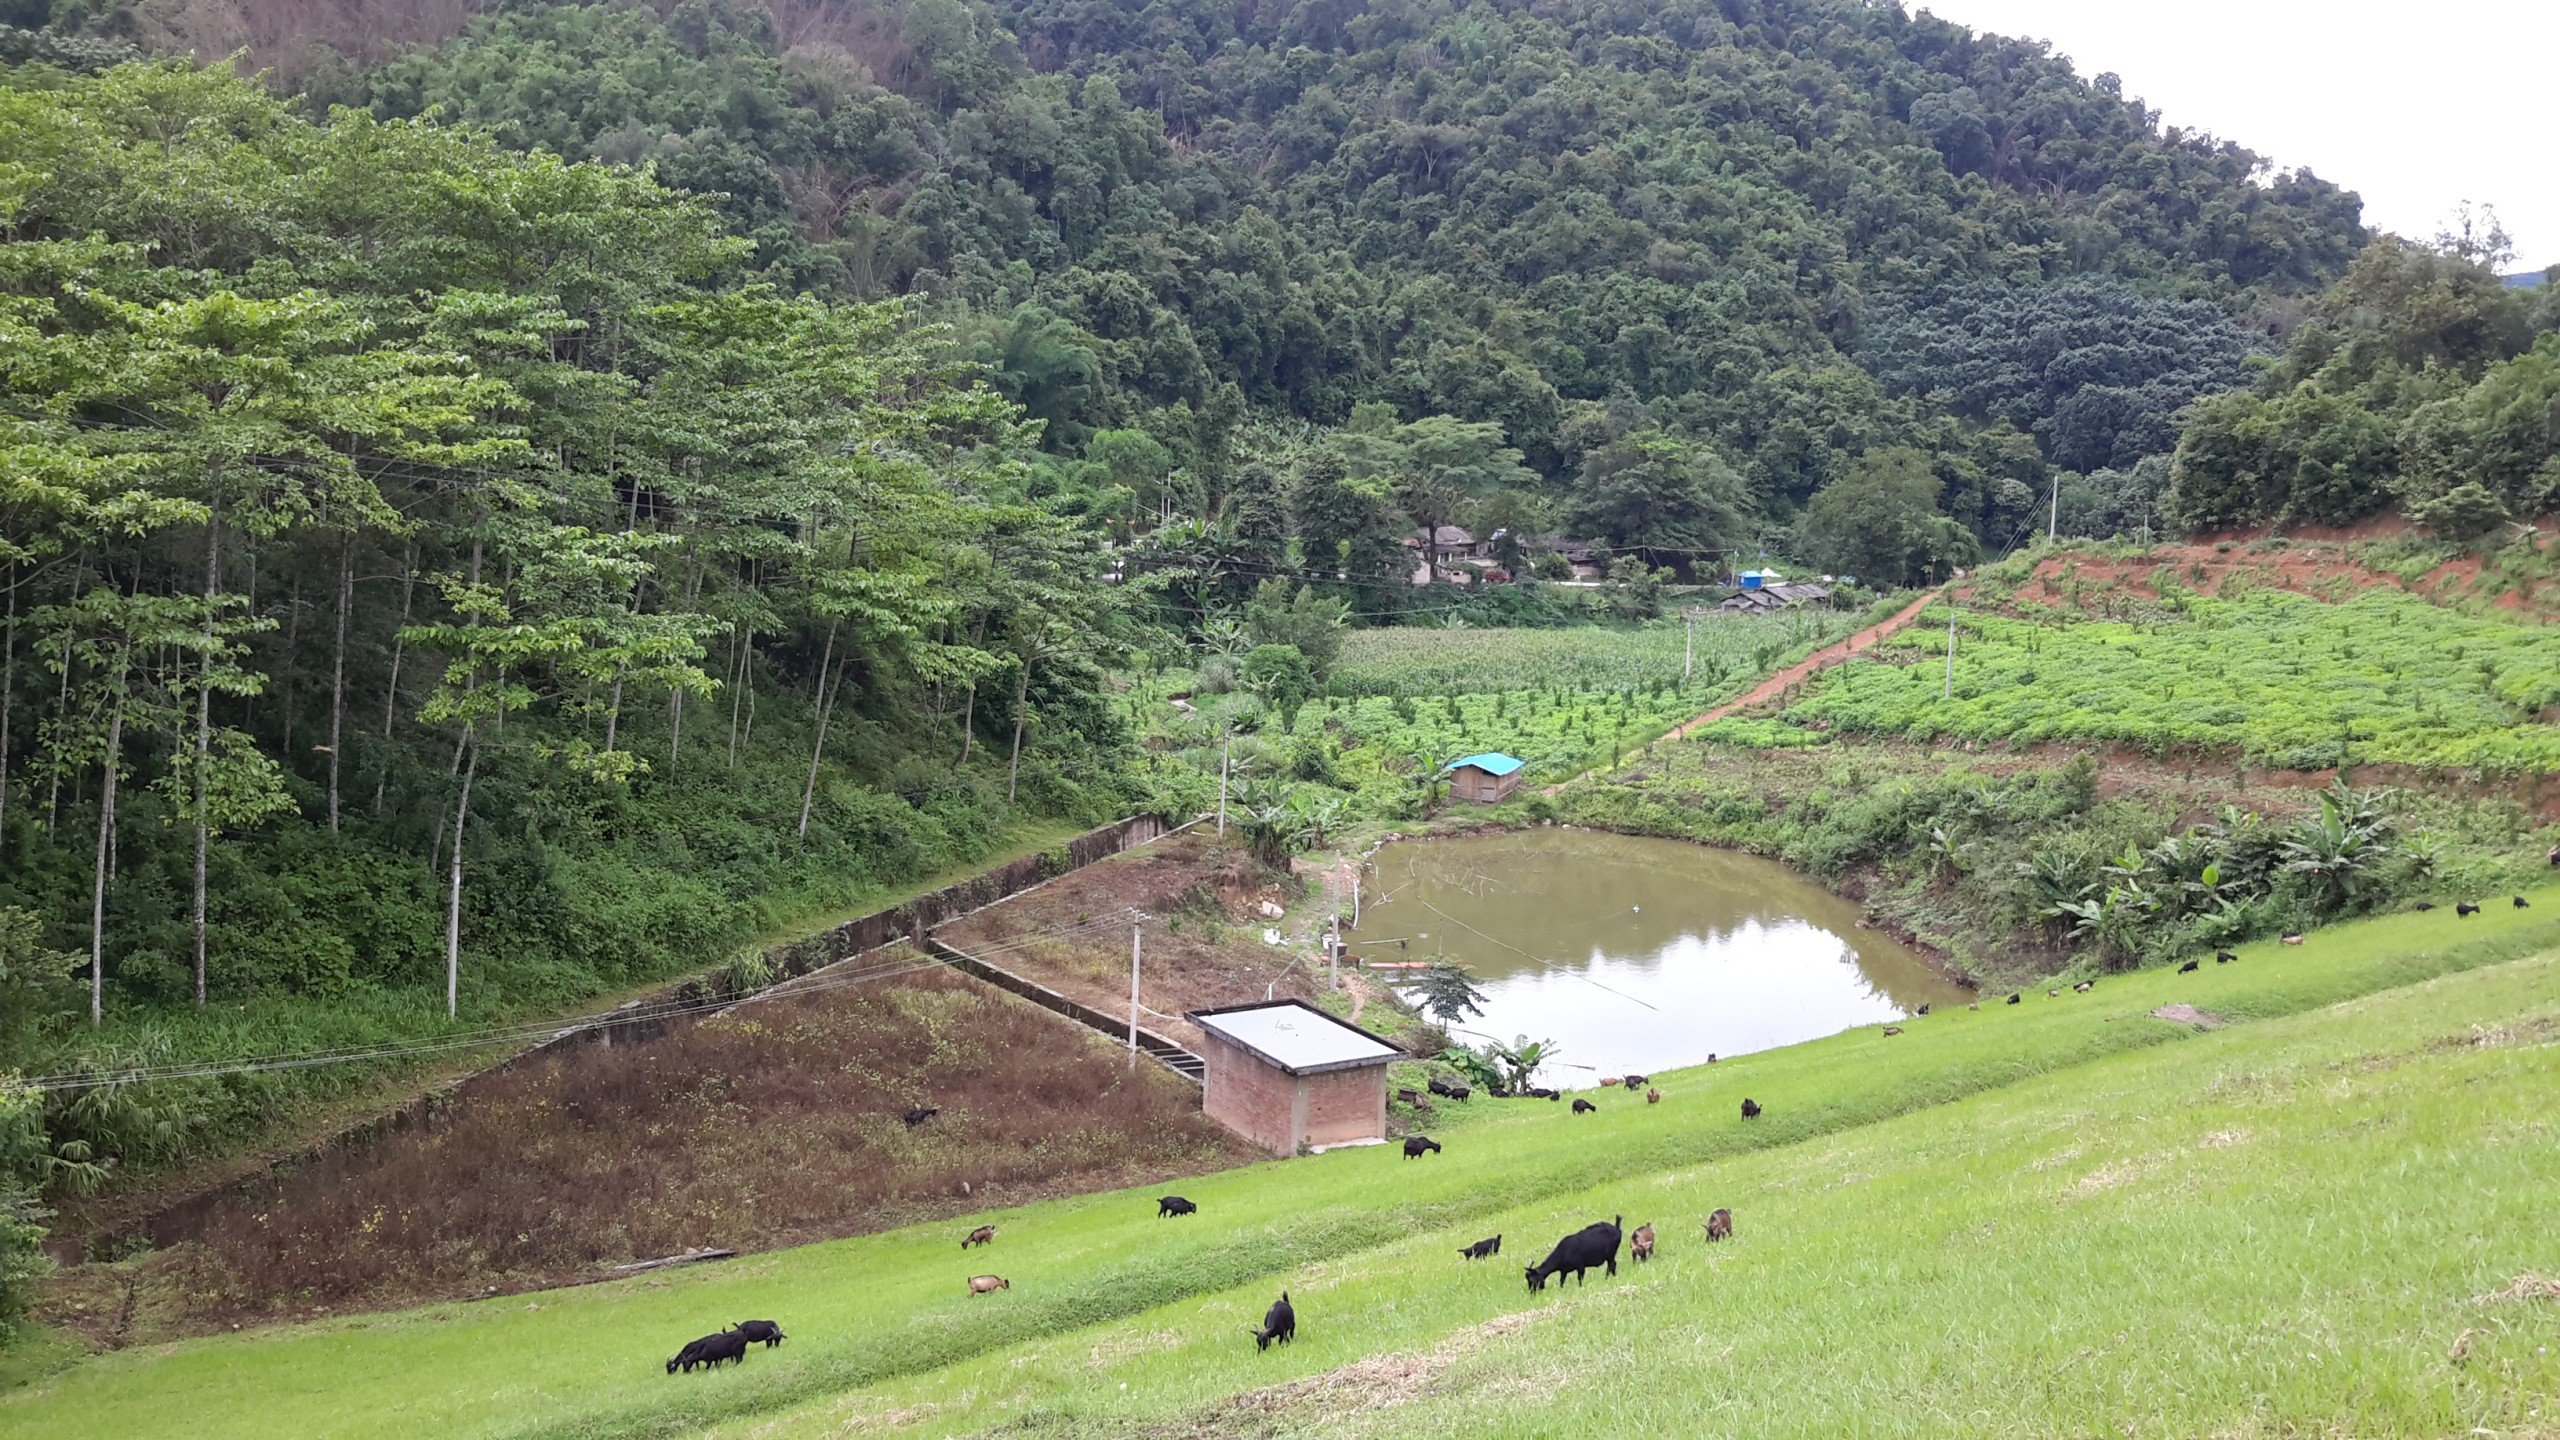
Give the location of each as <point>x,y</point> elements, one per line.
<point>1420,661</point>
<point>2283,1226</point>
<point>2383,678</point>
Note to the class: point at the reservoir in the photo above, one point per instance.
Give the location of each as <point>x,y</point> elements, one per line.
<point>1636,954</point>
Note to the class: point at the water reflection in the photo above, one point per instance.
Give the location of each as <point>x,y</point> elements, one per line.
<point>1637,954</point>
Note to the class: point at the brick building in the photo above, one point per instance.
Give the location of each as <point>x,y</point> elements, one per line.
<point>1284,1074</point>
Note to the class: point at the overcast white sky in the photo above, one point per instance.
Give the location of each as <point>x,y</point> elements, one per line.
<point>2416,107</point>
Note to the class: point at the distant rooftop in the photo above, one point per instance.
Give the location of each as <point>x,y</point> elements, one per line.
<point>1491,762</point>
<point>1296,1036</point>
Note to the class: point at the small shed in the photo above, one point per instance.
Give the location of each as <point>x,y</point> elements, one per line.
<point>1485,779</point>
<point>1283,1074</point>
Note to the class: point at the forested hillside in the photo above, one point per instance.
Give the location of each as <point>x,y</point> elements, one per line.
<point>1712,252</point>
<point>442,579</point>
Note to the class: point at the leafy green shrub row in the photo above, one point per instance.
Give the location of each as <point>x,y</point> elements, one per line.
<point>2283,679</point>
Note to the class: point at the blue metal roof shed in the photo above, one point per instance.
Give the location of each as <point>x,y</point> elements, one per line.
<point>1486,778</point>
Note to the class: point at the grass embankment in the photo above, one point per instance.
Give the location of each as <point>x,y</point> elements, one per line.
<point>880,1315</point>
<point>592,1156</point>
<point>277,1115</point>
<point>2335,1224</point>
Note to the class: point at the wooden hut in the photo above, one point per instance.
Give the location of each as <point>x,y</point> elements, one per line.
<point>1485,779</point>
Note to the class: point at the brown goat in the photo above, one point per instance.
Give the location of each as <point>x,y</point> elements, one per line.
<point>1643,1241</point>
<point>981,1284</point>
<point>1720,1225</point>
<point>1653,1097</point>
<point>983,1235</point>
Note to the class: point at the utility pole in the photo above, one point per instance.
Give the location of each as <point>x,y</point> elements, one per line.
<point>1951,647</point>
<point>1226,746</point>
<point>1136,929</point>
<point>1355,899</point>
<point>2053,515</point>
<point>1688,644</point>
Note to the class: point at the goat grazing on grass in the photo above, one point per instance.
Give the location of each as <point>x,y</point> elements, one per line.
<point>2223,957</point>
<point>2189,968</point>
<point>1720,1225</point>
<point>983,1284</point>
<point>1578,1252</point>
<point>1652,1097</point>
<point>1279,1323</point>
<point>1640,1244</point>
<point>920,1114</point>
<point>1482,1249</point>
<point>1175,1205</point>
<point>709,1351</point>
<point>1750,1108</point>
<point>765,1331</point>
<point>1450,1090</point>
<point>2464,909</point>
<point>1417,1146</point>
<point>983,1235</point>
<point>1583,1107</point>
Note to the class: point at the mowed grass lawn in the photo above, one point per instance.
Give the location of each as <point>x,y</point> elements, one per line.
<point>1956,1319</point>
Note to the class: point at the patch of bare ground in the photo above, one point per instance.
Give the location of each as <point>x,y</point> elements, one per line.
<point>1203,945</point>
<point>1309,1406</point>
<point>2322,565</point>
<point>2189,1015</point>
<point>777,1124</point>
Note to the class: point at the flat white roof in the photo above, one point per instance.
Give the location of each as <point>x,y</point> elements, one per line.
<point>1296,1036</point>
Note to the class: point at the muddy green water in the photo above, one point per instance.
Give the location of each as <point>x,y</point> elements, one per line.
<point>1636,954</point>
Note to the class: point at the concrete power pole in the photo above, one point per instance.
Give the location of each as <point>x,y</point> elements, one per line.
<point>2053,515</point>
<point>1226,746</point>
<point>1136,929</point>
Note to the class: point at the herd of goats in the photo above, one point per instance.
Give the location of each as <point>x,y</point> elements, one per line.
<point>1593,1246</point>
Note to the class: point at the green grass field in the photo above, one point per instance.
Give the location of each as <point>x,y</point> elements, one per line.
<point>2028,1220</point>
<point>1421,661</point>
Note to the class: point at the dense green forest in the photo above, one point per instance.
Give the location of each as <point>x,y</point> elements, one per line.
<point>511,500</point>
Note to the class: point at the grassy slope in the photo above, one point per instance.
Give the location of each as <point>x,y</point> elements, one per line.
<point>883,1309</point>
<point>2277,1230</point>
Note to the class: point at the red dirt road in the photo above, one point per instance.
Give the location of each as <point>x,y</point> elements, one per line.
<point>1833,654</point>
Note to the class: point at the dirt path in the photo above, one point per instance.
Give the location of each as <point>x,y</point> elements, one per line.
<point>1776,684</point>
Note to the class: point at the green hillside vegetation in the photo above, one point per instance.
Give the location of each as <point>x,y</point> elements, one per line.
<point>2041,1122</point>
<point>370,488</point>
<point>1698,253</point>
<point>1420,662</point>
<point>2271,678</point>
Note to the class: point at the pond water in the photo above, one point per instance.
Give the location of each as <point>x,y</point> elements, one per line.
<point>1635,954</point>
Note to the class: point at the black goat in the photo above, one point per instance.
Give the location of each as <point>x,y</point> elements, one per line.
<point>1416,1146</point>
<point>2013,997</point>
<point>1584,1107</point>
<point>2223,957</point>
<point>1750,1108</point>
<point>763,1330</point>
<point>2424,905</point>
<point>1923,1010</point>
<point>920,1114</point>
<point>1633,1081</point>
<point>2464,909</point>
<point>1578,1252</point>
<point>1174,1205</point>
<point>1279,1323</point>
<point>709,1351</point>
<point>2189,968</point>
<point>2523,904</point>
<point>1482,1248</point>
<point>1449,1090</point>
